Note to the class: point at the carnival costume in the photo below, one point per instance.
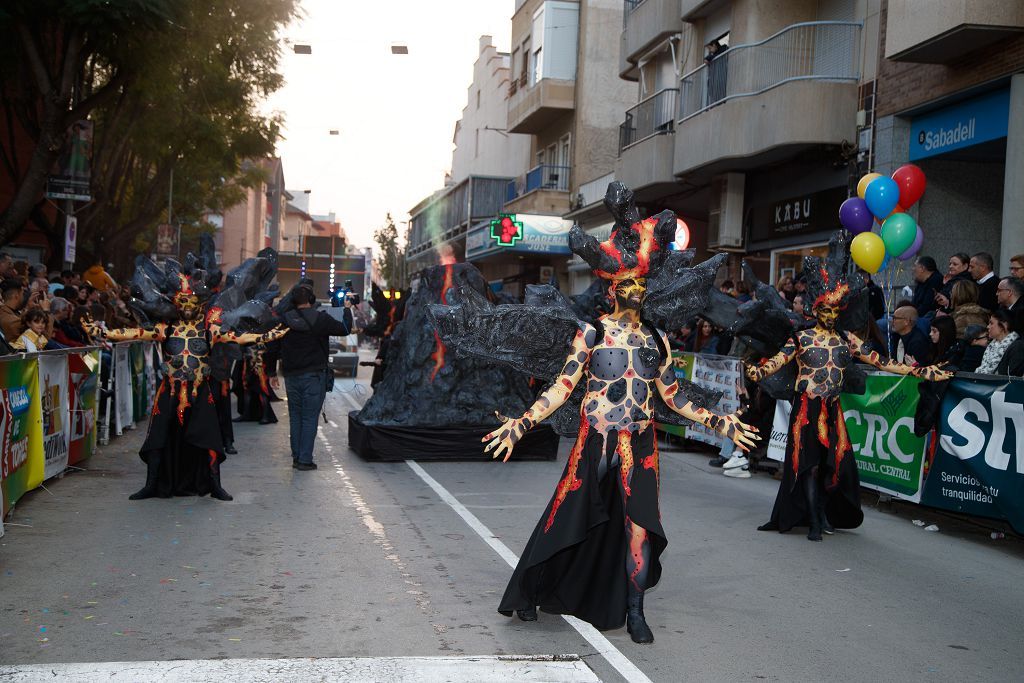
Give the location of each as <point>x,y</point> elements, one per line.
<point>596,548</point>
<point>184,448</point>
<point>820,487</point>
<point>255,397</point>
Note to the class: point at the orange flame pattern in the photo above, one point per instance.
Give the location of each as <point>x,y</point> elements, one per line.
<point>439,347</point>
<point>569,482</point>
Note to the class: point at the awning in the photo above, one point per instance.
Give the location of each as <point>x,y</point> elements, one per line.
<point>519,233</point>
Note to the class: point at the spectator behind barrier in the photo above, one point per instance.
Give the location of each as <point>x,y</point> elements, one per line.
<point>942,334</point>
<point>34,337</point>
<point>1010,294</point>
<point>1004,354</point>
<point>981,267</point>
<point>964,307</point>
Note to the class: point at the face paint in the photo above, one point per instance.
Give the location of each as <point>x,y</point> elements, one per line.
<point>631,293</point>
<point>826,315</point>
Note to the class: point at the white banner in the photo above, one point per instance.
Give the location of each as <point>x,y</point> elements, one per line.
<point>53,388</point>
<point>123,409</point>
<point>719,373</point>
<point>780,431</point>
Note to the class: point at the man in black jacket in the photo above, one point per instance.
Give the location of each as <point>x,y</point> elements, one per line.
<point>981,267</point>
<point>303,362</point>
<point>929,283</point>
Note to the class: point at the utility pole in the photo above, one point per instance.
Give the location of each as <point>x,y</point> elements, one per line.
<point>170,198</point>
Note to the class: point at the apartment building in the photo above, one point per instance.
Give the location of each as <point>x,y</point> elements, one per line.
<point>486,157</point>
<point>255,222</point>
<point>949,97</point>
<point>753,146</point>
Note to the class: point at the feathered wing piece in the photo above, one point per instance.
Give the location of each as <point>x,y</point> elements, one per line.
<point>244,302</point>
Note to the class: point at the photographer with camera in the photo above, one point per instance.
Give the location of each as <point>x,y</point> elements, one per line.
<point>302,356</point>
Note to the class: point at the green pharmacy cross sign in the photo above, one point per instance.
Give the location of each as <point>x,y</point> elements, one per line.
<point>506,230</point>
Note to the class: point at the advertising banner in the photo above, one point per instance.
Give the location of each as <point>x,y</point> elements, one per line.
<point>719,373</point>
<point>53,382</point>
<point>881,426</point>
<point>83,392</point>
<point>123,402</point>
<point>70,177</point>
<point>979,463</point>
<point>780,431</point>
<point>21,438</point>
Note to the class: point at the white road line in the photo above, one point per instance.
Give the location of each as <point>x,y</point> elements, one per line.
<point>486,669</point>
<point>602,645</point>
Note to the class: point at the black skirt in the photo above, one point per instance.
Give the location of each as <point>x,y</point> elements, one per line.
<point>575,561</point>
<point>818,439</point>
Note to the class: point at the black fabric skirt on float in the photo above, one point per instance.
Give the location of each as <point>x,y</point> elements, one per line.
<point>575,561</point>
<point>817,439</point>
<point>222,399</point>
<point>184,435</point>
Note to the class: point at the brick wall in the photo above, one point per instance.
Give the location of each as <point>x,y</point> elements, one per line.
<point>903,85</point>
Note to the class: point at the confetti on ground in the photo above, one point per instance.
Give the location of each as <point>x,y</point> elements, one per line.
<point>235,640</point>
<point>843,570</point>
<point>91,616</point>
<point>187,566</point>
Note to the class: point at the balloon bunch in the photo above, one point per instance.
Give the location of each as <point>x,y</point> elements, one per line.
<point>884,200</point>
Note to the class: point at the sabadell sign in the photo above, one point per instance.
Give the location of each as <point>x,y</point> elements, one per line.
<point>972,122</point>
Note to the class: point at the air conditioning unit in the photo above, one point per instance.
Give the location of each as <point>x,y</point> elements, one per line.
<point>725,215</point>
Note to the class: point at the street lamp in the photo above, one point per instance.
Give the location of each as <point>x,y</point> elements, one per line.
<point>302,49</point>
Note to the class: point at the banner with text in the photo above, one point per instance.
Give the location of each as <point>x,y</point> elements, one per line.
<point>21,440</point>
<point>53,382</point>
<point>124,402</point>
<point>979,463</point>
<point>719,373</point>
<point>83,392</point>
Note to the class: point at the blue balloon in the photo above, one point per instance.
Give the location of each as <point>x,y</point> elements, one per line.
<point>885,263</point>
<point>882,196</point>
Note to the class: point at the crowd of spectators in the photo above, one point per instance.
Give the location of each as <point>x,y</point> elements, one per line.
<point>43,310</point>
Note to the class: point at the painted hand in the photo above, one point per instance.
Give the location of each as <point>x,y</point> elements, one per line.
<point>731,427</point>
<point>932,373</point>
<point>504,439</point>
<point>753,372</point>
<point>92,329</point>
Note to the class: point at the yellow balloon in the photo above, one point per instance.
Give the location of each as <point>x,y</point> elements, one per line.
<point>868,251</point>
<point>862,186</point>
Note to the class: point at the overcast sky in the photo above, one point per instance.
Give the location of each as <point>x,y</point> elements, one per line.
<point>395,113</point>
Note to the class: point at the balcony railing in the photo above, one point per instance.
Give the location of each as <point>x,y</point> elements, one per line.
<point>594,190</point>
<point>817,50</point>
<point>543,177</point>
<point>627,9</point>
<point>654,116</point>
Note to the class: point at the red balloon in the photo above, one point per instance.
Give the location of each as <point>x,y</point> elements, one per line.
<point>911,182</point>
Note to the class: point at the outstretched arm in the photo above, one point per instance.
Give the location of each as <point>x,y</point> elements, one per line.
<point>504,439</point>
<point>863,352</point>
<point>729,426</point>
<point>222,336</point>
<point>158,333</point>
<point>773,364</point>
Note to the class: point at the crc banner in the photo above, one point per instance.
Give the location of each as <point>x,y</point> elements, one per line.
<point>979,461</point>
<point>719,373</point>
<point>124,402</point>
<point>881,426</point>
<point>83,392</point>
<point>21,438</point>
<point>56,410</point>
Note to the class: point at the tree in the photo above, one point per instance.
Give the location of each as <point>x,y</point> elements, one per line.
<point>391,257</point>
<point>47,50</point>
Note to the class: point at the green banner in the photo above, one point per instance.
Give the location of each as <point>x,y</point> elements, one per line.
<point>21,429</point>
<point>682,364</point>
<point>83,390</point>
<point>881,427</point>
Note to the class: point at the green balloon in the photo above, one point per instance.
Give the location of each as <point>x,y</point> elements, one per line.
<point>898,232</point>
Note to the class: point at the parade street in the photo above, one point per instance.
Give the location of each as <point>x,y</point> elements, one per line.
<point>372,563</point>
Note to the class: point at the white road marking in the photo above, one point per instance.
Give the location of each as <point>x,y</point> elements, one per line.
<point>602,645</point>
<point>567,668</point>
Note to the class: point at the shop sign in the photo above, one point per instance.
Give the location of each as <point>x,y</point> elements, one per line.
<point>978,120</point>
<point>519,233</point>
<point>813,212</point>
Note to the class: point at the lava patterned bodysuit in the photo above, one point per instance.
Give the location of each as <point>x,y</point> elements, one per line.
<point>596,548</point>
<point>184,448</point>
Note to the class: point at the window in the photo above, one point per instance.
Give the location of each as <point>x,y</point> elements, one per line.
<point>477,102</point>
<point>476,144</point>
<point>524,66</point>
<point>563,151</point>
<point>536,56</point>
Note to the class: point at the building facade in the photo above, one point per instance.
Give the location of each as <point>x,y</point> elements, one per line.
<point>254,223</point>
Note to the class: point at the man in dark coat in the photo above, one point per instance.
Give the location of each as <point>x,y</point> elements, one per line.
<point>981,269</point>
<point>929,283</point>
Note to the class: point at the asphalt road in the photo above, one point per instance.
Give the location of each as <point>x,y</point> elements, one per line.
<point>371,561</point>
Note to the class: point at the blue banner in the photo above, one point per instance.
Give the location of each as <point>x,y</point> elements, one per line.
<point>961,125</point>
<point>978,467</point>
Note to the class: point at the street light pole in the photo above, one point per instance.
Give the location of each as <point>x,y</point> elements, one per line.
<point>170,199</point>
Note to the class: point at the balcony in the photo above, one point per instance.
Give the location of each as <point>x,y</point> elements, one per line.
<point>645,24</point>
<point>795,89</point>
<point>941,31</point>
<point>533,108</point>
<point>542,189</point>
<point>646,143</point>
<point>448,213</point>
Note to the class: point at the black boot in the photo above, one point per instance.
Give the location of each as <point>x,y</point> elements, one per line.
<point>636,624</point>
<point>823,517</point>
<point>218,491</point>
<point>229,448</point>
<point>152,475</point>
<point>813,505</point>
<point>528,614</point>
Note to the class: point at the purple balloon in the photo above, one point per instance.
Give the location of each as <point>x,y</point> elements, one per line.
<point>911,251</point>
<point>855,216</point>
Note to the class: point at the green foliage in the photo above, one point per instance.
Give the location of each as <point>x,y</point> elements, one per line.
<point>390,257</point>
